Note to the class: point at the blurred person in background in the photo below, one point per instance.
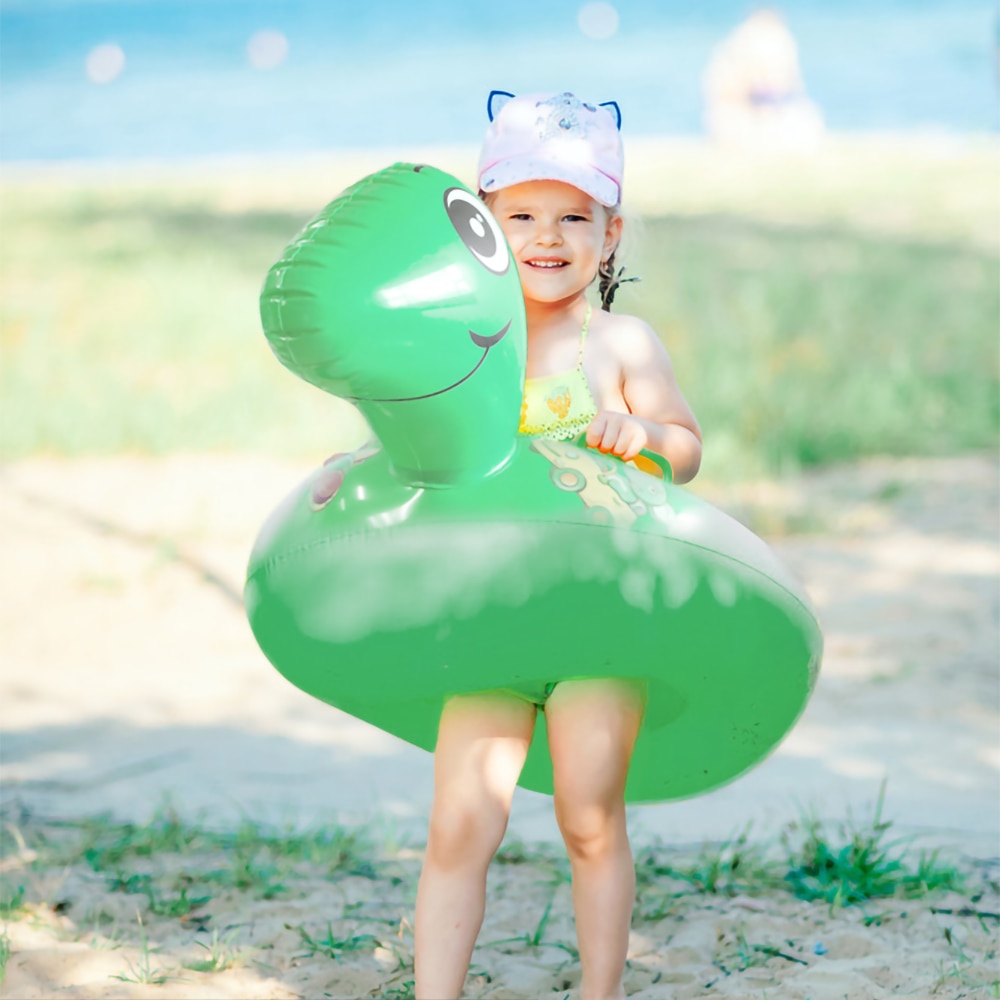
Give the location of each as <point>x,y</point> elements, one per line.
<point>754,93</point>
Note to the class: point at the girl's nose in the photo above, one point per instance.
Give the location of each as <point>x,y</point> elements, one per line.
<point>548,234</point>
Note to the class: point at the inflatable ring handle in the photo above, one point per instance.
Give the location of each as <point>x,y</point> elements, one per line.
<point>651,457</point>
<point>660,462</point>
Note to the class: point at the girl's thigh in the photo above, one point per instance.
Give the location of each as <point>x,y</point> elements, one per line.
<point>592,727</point>
<point>482,744</point>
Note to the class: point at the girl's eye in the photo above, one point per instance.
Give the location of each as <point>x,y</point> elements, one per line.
<point>477,229</point>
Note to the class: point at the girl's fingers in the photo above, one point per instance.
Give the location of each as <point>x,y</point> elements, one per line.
<point>632,440</point>
<point>595,432</point>
<point>615,433</point>
<point>611,435</point>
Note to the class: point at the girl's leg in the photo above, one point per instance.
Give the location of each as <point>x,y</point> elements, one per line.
<point>482,743</point>
<point>592,729</point>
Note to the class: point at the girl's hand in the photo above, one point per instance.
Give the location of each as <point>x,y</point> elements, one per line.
<point>622,434</point>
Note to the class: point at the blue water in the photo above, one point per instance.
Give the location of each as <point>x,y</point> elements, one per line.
<point>383,73</point>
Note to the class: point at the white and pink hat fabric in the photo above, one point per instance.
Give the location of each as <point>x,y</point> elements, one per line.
<point>553,137</point>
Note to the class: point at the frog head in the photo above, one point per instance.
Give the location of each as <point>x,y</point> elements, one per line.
<point>401,296</point>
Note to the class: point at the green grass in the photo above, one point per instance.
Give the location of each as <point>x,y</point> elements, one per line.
<point>129,323</point>
<point>800,346</point>
<point>738,954</point>
<point>733,867</point>
<point>250,859</point>
<point>404,991</point>
<point>11,901</point>
<point>850,863</point>
<point>535,938</point>
<point>130,326</point>
<point>333,945</point>
<point>143,971</point>
<point>4,954</point>
<point>107,845</point>
<point>220,954</point>
<point>332,848</point>
<point>963,972</point>
<point>861,864</point>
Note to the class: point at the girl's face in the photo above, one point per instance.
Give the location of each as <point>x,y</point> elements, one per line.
<point>558,235</point>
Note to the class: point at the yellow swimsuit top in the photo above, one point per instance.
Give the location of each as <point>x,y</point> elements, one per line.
<point>560,406</point>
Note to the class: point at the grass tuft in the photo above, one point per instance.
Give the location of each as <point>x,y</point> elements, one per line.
<point>143,971</point>
<point>11,903</point>
<point>161,903</point>
<point>860,863</point>
<point>736,954</point>
<point>405,990</point>
<point>535,939</point>
<point>4,954</point>
<point>333,945</point>
<point>735,866</point>
<point>852,864</point>
<point>220,954</point>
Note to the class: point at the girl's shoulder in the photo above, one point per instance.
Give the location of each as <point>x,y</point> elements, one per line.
<point>628,337</point>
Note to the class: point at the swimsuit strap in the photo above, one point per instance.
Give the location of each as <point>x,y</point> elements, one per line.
<point>583,335</point>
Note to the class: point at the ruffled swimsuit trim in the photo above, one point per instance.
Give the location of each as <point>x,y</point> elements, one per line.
<point>560,406</point>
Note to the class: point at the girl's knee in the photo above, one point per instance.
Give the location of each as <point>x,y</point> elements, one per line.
<point>593,832</point>
<point>460,836</point>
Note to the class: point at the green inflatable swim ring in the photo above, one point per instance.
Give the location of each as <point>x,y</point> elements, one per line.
<point>453,555</point>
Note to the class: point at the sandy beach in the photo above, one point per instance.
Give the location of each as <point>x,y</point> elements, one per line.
<point>130,677</point>
<point>352,937</point>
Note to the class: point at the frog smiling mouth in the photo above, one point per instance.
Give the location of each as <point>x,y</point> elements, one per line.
<point>478,339</point>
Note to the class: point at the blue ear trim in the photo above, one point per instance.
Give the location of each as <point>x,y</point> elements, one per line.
<point>612,106</point>
<point>494,95</point>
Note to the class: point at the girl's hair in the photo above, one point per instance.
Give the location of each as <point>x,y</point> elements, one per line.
<point>609,281</point>
<point>607,286</point>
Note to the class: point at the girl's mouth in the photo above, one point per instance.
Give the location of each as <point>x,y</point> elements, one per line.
<point>547,263</point>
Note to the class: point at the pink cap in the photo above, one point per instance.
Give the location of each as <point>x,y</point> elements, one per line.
<point>553,137</point>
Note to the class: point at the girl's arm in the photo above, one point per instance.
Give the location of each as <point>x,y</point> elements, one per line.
<point>659,417</point>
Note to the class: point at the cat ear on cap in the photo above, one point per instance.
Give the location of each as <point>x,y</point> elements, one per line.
<point>496,101</point>
<point>616,112</point>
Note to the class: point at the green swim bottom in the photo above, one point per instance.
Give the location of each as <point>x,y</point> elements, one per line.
<point>538,692</point>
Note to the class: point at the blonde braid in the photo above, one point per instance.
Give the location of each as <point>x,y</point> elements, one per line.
<point>610,282</point>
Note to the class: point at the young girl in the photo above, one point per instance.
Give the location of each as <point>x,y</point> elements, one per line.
<point>551,171</point>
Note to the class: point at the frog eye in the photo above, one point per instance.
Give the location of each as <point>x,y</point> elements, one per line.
<point>477,229</point>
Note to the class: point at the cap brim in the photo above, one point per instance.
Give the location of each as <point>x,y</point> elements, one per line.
<point>519,170</point>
